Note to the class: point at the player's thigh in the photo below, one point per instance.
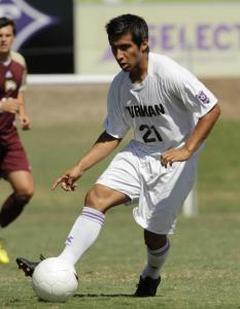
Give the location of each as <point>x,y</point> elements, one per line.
<point>14,158</point>
<point>179,187</point>
<point>21,182</point>
<point>159,203</point>
<point>122,175</point>
<point>102,197</point>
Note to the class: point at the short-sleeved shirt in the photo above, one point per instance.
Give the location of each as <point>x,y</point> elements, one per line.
<point>163,109</point>
<point>12,81</point>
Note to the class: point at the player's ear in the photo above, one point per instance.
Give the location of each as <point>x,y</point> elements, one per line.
<point>144,46</point>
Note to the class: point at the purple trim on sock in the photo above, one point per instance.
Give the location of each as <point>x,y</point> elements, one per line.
<point>100,215</point>
<point>160,251</point>
<point>97,218</point>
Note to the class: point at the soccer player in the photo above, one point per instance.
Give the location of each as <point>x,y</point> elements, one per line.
<point>171,113</point>
<point>14,166</point>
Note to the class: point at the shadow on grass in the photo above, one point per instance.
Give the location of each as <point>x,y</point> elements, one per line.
<point>103,295</point>
<point>108,295</point>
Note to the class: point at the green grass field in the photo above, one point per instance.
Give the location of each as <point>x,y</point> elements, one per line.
<point>204,263</point>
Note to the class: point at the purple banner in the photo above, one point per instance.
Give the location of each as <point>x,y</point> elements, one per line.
<point>28,19</point>
<point>203,37</point>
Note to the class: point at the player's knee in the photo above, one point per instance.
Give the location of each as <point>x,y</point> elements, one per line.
<point>154,241</point>
<point>95,200</point>
<point>24,195</point>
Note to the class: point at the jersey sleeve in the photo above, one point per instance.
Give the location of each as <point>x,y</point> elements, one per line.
<point>24,80</point>
<point>115,123</point>
<point>193,93</point>
<point>21,61</point>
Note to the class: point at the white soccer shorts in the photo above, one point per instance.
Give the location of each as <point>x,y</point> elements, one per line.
<point>160,191</point>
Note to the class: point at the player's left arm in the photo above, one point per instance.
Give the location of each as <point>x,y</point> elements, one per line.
<point>193,142</point>
<point>23,117</point>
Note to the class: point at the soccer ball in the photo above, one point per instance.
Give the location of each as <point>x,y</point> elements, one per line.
<point>54,280</point>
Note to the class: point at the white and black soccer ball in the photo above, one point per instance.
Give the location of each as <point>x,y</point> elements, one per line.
<point>54,280</point>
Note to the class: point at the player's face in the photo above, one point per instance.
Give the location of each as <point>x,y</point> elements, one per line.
<point>127,54</point>
<point>6,39</point>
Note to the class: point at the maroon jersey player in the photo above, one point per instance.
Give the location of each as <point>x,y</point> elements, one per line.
<point>14,166</point>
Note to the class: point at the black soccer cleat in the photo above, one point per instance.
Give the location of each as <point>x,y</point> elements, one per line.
<point>147,287</point>
<point>28,266</point>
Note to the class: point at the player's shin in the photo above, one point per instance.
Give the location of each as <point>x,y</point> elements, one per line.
<point>155,261</point>
<point>83,234</point>
<point>11,209</point>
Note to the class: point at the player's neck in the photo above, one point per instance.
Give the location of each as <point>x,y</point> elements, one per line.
<point>4,57</point>
<point>138,74</point>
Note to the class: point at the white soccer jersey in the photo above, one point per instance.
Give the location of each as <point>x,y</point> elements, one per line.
<point>163,109</point>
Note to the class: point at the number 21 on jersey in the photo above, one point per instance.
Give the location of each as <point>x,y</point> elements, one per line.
<point>150,134</point>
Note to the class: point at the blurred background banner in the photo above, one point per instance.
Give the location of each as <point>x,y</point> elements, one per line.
<point>44,33</point>
<point>203,37</point>
<point>28,20</point>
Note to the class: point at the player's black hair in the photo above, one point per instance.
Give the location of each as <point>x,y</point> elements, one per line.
<point>4,22</point>
<point>127,23</point>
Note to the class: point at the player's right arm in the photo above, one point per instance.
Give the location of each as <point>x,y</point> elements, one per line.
<point>9,105</point>
<point>104,146</point>
<point>115,129</point>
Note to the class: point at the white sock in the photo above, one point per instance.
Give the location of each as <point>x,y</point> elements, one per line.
<point>83,234</point>
<point>155,261</point>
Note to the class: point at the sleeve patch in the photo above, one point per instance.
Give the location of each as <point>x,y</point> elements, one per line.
<point>202,97</point>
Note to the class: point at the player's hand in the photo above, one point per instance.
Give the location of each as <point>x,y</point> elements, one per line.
<point>9,105</point>
<point>25,122</point>
<point>175,155</point>
<point>68,179</point>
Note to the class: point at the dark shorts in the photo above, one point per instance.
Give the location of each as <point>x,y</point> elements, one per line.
<point>13,158</point>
